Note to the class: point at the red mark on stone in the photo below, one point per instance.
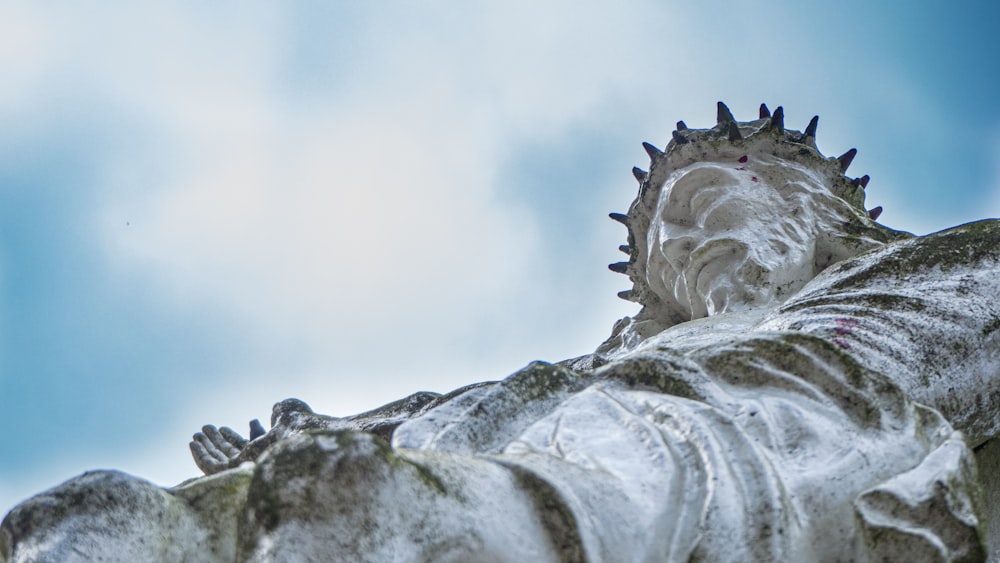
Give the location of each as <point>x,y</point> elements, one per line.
<point>754,178</point>
<point>743,158</point>
<point>843,328</point>
<point>741,167</point>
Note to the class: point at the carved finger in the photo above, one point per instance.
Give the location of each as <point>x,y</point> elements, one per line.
<point>205,439</point>
<point>203,459</point>
<point>221,442</point>
<point>233,438</point>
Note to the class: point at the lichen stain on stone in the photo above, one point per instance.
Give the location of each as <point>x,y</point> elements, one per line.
<point>385,452</point>
<point>991,326</point>
<point>653,373</point>
<point>971,243</point>
<point>559,521</point>
<point>541,379</point>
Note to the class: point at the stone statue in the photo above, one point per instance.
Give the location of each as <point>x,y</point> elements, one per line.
<point>801,384</point>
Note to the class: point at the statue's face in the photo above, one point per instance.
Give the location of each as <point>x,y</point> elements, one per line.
<point>730,236</point>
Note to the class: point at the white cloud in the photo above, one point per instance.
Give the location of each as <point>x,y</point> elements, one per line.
<point>289,227</point>
<point>325,222</point>
<point>25,53</point>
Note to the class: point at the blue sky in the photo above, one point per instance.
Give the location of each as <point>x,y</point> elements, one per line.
<point>209,207</point>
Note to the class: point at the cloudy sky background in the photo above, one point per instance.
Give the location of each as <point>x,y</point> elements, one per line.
<point>209,207</point>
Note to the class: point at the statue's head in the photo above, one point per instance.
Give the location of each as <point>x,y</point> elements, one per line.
<point>739,216</point>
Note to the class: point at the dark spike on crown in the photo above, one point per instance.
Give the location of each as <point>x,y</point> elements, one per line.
<point>734,132</point>
<point>811,128</point>
<point>778,119</point>
<point>723,116</point>
<point>619,217</point>
<point>619,267</point>
<point>627,295</point>
<point>653,152</point>
<point>847,158</point>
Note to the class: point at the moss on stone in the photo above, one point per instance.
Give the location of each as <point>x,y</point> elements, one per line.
<point>656,373</point>
<point>384,451</point>
<point>966,244</point>
<point>991,326</point>
<point>556,517</point>
<point>541,379</point>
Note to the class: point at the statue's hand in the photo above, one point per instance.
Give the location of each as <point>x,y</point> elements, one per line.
<point>217,449</point>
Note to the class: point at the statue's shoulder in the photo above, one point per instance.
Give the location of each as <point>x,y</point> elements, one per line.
<point>952,252</point>
<point>966,244</point>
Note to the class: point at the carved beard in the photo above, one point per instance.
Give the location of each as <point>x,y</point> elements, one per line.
<point>723,275</point>
<point>709,276</point>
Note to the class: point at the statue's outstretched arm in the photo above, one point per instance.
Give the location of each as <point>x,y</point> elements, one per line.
<point>217,449</point>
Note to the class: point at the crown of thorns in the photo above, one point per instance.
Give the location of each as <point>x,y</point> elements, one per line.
<point>766,134</point>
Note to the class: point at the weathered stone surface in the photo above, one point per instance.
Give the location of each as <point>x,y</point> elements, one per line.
<point>801,384</point>
<point>105,516</point>
<point>350,494</point>
<point>988,469</point>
